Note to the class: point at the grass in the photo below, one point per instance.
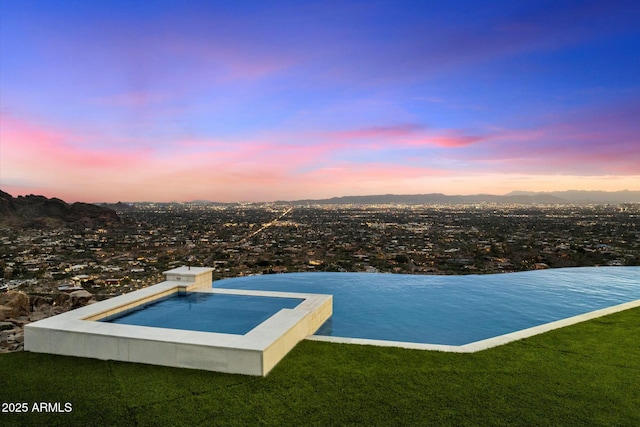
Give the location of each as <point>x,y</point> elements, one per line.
<point>585,374</point>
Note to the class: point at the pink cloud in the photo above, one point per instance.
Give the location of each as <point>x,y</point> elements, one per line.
<point>349,172</point>
<point>452,140</point>
<point>41,147</point>
<point>250,155</point>
<point>78,166</point>
<point>407,135</point>
<point>400,130</point>
<point>587,146</point>
<point>43,156</point>
<point>350,178</point>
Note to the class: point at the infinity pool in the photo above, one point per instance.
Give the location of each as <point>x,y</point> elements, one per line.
<point>452,310</point>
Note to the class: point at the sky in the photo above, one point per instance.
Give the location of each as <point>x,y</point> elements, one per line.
<point>107,101</point>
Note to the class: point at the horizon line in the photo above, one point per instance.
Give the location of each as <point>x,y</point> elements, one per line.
<point>510,193</point>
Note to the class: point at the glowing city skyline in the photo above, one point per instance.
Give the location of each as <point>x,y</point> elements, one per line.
<point>262,101</point>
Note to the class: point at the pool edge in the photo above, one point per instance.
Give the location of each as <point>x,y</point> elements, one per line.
<point>486,343</point>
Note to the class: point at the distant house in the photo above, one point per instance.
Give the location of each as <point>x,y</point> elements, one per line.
<point>68,287</point>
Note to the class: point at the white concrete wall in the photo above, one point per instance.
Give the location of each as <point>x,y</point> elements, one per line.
<point>78,333</point>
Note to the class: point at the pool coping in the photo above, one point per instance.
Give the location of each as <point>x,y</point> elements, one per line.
<point>80,333</point>
<point>486,343</point>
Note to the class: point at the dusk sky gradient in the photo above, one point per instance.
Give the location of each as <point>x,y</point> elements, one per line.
<point>266,100</point>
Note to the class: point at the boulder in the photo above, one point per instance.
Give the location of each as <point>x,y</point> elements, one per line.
<point>19,323</point>
<point>38,301</point>
<point>6,326</point>
<point>62,299</point>
<point>5,312</point>
<point>17,303</point>
<point>40,314</point>
<point>80,298</point>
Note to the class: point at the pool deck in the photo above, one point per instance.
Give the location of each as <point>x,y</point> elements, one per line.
<point>80,333</point>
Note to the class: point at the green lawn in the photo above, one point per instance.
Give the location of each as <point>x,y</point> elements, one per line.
<point>586,374</point>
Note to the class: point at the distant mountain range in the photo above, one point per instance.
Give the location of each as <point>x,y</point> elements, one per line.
<point>516,197</point>
<point>25,211</point>
<point>41,212</point>
<point>576,196</point>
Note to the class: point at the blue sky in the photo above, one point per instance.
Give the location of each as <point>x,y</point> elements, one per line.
<point>169,100</point>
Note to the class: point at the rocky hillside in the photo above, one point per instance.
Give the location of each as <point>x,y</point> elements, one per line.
<point>41,212</point>
<point>18,309</point>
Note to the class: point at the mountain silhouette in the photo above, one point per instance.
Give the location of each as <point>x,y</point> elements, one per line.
<point>42,212</point>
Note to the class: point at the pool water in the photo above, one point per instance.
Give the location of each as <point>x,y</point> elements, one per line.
<point>452,310</point>
<point>205,312</point>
